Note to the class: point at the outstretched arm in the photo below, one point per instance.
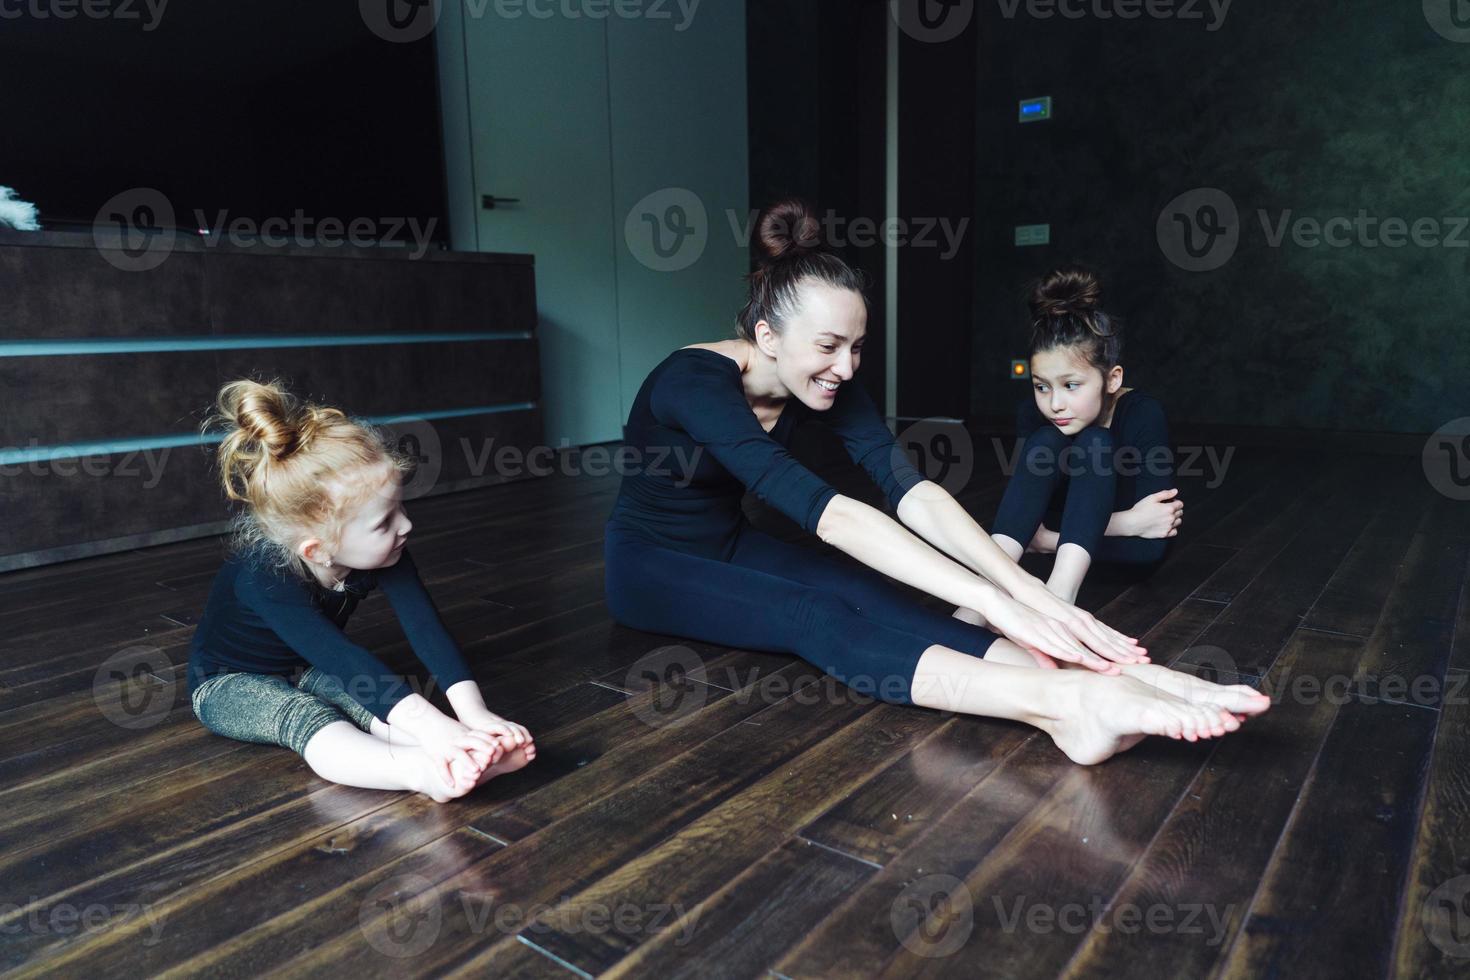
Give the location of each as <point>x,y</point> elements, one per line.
<point>876,540</point>
<point>930,511</point>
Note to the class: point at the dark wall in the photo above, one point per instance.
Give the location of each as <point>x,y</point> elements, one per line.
<point>251,111</point>
<point>1319,108</point>
<point>816,85</point>
<point>936,201</point>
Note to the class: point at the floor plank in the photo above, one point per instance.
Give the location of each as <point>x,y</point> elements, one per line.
<point>746,816</point>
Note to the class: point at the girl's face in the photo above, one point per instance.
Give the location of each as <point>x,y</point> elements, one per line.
<point>374,531</point>
<point>1070,392</point>
<point>822,344</point>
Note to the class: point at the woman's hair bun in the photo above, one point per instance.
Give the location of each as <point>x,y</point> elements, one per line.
<point>787,228</point>
<point>1065,291</point>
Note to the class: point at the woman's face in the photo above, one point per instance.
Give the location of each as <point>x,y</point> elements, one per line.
<point>1070,392</point>
<point>822,344</point>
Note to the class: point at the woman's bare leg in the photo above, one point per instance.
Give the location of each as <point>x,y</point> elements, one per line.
<point>1239,699</point>
<point>1088,716</point>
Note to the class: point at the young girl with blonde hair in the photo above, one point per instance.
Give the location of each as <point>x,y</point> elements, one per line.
<point>322,525</point>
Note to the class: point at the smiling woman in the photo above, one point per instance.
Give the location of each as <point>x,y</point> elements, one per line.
<point>681,559</point>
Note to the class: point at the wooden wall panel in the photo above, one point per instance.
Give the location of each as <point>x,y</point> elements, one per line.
<point>143,397</point>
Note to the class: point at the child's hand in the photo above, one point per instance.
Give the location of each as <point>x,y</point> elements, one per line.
<point>467,774</point>
<point>1158,515</point>
<point>457,752</point>
<point>511,735</point>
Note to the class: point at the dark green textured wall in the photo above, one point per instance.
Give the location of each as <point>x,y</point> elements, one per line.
<point>1320,109</point>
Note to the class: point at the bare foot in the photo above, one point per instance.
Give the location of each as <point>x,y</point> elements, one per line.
<point>1098,717</point>
<point>513,759</point>
<point>1238,699</point>
<point>429,780</point>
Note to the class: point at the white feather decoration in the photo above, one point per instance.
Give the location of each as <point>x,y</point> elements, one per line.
<point>15,213</point>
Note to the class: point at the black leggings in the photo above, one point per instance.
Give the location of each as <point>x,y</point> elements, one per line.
<point>773,596</point>
<point>1079,471</point>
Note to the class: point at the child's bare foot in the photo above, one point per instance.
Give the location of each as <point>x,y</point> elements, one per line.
<point>513,759</point>
<point>426,777</point>
<point>1097,717</point>
<point>1239,699</point>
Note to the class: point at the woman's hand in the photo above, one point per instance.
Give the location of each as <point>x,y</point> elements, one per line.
<point>1103,642</point>
<point>511,735</point>
<point>1158,515</point>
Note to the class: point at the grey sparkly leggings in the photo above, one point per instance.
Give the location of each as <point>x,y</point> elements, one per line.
<point>270,709</point>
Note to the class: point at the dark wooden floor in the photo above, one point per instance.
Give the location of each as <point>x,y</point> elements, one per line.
<point>746,818</point>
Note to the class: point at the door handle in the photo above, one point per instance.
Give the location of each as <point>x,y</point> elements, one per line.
<point>490,201</point>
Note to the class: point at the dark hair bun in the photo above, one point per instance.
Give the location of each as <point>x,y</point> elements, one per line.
<point>1066,291</point>
<point>786,229</point>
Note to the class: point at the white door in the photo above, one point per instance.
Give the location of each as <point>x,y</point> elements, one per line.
<point>538,103</point>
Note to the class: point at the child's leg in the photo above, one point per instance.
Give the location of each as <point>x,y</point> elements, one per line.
<point>339,752</point>
<point>342,753</point>
<point>270,710</point>
<point>326,687</point>
<point>1091,491</point>
<point>391,735</point>
<point>1029,490</point>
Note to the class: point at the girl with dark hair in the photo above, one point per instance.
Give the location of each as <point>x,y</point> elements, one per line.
<point>1094,455</point>
<point>682,560</point>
